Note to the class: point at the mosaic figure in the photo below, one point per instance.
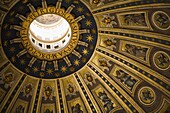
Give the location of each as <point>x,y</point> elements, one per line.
<point>125,78</point>
<point>108,105</point>
<point>135,19</point>
<point>76,108</point>
<point>136,51</point>
<point>7,80</point>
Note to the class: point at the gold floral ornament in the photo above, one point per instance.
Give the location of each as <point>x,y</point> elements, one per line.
<point>89,79</point>
<point>109,20</point>
<point>48,93</point>
<point>54,55</point>
<point>110,43</point>
<point>71,89</point>
<point>7,80</point>
<point>97,2</point>
<point>104,64</point>
<point>27,90</point>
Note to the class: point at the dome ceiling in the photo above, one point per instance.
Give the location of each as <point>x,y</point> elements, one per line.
<point>117,59</point>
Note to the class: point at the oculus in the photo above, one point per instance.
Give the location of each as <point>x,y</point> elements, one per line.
<point>43,38</point>
<point>49,33</point>
<point>50,39</point>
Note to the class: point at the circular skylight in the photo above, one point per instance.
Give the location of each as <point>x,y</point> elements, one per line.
<point>49,33</point>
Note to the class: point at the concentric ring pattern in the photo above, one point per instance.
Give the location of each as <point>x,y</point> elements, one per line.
<point>56,64</point>
<point>116,61</point>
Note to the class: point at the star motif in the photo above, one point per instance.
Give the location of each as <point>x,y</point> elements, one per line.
<point>42,74</point>
<point>84,60</point>
<point>93,31</point>
<point>57,74</point>
<point>22,61</point>
<point>27,70</point>
<point>85,51</point>
<point>88,14</point>
<point>76,62</point>
<point>72,69</point>
<point>80,9</point>
<point>63,69</point>
<point>89,38</point>
<point>12,49</point>
<point>91,47</point>
<point>88,23</point>
<point>35,69</point>
<point>49,71</point>
<point>13,59</point>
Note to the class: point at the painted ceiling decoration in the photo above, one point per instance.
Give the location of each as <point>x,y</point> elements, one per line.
<point>105,56</point>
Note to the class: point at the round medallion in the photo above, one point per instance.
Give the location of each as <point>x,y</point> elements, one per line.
<point>161,60</point>
<point>161,20</point>
<point>146,95</point>
<point>51,41</point>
